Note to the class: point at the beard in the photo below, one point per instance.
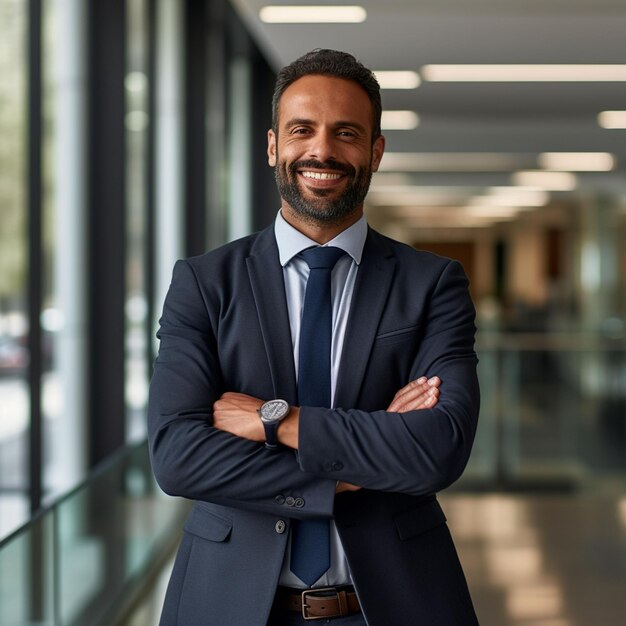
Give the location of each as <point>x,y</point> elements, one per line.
<point>321,208</point>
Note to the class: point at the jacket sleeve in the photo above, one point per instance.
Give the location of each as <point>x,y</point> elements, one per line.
<point>416,452</point>
<point>191,458</point>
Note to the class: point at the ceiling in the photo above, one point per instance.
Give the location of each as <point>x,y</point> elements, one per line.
<point>510,123</point>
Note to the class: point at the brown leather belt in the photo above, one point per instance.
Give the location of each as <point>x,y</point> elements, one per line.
<point>319,603</point>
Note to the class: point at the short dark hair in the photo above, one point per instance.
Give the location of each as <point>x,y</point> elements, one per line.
<point>329,63</point>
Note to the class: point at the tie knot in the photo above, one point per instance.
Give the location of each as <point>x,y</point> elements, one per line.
<point>322,257</point>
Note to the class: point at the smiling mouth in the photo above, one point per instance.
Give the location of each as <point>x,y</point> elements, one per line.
<point>321,175</point>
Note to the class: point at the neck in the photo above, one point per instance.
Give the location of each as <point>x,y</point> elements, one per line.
<point>320,232</point>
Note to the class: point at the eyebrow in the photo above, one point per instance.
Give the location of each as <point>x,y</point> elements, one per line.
<point>340,124</point>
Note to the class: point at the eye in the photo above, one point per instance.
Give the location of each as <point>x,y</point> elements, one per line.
<point>350,134</point>
<point>300,130</point>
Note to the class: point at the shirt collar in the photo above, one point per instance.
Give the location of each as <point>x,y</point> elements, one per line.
<point>291,241</point>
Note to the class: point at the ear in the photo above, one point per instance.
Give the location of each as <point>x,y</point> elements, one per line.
<point>271,148</point>
<point>377,152</point>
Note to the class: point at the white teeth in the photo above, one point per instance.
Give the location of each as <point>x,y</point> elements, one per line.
<point>321,176</point>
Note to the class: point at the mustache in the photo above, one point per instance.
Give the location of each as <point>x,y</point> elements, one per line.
<point>322,165</point>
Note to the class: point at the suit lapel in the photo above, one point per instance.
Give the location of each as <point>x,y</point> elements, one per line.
<point>368,301</point>
<point>266,279</point>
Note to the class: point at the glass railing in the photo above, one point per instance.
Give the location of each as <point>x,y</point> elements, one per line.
<point>80,560</point>
<point>553,411</point>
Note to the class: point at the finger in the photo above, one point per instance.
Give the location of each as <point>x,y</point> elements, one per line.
<point>408,396</point>
<point>419,398</point>
<point>419,383</point>
<point>409,392</point>
<point>420,393</point>
<point>422,383</point>
<point>229,395</point>
<point>418,404</point>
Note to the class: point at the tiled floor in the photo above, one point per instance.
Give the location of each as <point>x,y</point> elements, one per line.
<point>543,560</point>
<point>531,560</point>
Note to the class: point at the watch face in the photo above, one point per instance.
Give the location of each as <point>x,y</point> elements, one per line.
<point>274,410</point>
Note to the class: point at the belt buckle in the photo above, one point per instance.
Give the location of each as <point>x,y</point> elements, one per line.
<point>305,606</point>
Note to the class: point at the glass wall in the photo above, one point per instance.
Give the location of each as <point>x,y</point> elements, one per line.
<point>136,142</point>
<point>63,316</point>
<point>52,317</point>
<point>137,126</point>
<point>14,356</point>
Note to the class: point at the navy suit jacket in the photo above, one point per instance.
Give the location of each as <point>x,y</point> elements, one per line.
<point>225,328</point>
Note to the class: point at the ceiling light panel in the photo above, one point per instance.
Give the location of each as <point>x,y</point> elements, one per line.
<point>455,162</point>
<point>551,181</point>
<point>577,161</point>
<point>453,210</point>
<point>451,217</point>
<point>492,212</point>
<point>313,14</point>
<point>524,73</point>
<point>513,198</point>
<point>414,198</point>
<point>399,120</point>
<point>397,79</point>
<point>612,119</point>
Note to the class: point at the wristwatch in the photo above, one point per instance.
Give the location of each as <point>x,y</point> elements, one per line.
<point>272,413</point>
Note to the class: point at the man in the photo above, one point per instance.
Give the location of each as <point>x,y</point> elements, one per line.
<point>291,495</point>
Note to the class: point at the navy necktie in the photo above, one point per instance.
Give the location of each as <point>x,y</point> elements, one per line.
<point>310,543</point>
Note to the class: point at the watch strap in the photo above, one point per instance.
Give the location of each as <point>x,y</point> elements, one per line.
<point>271,435</point>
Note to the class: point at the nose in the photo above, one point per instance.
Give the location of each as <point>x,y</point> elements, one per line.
<point>322,146</point>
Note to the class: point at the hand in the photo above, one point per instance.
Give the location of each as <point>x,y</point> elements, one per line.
<point>422,393</point>
<point>236,413</point>
<point>344,486</point>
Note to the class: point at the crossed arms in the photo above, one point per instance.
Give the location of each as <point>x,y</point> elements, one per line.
<point>236,413</point>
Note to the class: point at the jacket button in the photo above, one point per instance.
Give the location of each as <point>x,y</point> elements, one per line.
<point>289,501</point>
<point>279,499</point>
<point>280,526</point>
<point>337,465</point>
<point>299,502</point>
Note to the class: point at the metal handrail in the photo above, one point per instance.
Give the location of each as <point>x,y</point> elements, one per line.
<point>97,471</point>
<point>549,341</point>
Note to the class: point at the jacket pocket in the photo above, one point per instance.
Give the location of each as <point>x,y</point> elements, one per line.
<point>207,525</point>
<point>411,523</point>
<point>396,336</point>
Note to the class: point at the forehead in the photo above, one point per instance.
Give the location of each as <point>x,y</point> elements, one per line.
<point>320,97</point>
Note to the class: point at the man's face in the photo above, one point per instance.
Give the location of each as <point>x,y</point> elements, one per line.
<point>324,156</point>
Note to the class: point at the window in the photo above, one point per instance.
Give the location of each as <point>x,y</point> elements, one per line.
<point>136,309</point>
<point>14,357</point>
